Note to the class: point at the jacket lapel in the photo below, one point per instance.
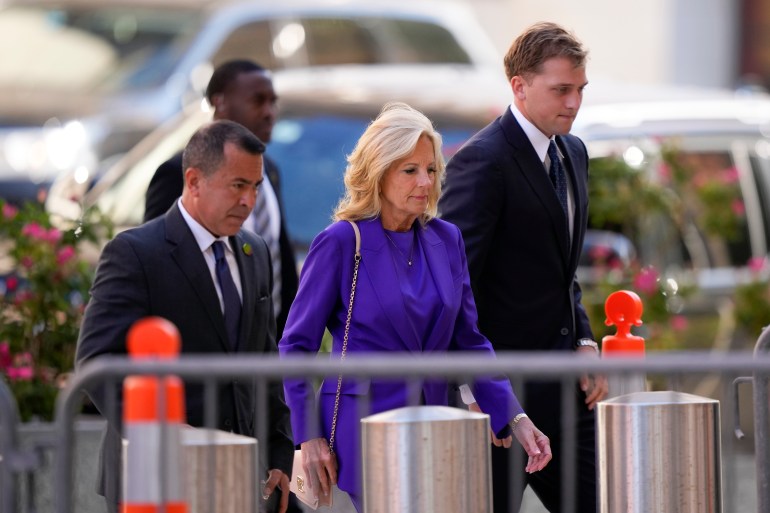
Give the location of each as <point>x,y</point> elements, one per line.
<point>187,255</point>
<point>579,192</point>
<point>530,166</point>
<point>381,272</point>
<point>248,278</point>
<point>439,267</point>
<point>438,262</point>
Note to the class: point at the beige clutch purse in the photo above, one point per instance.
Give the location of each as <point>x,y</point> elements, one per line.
<point>300,486</point>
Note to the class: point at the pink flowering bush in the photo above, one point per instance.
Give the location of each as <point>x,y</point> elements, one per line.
<point>44,286</point>
<point>621,198</point>
<point>708,185</point>
<point>662,326</point>
<point>675,196</point>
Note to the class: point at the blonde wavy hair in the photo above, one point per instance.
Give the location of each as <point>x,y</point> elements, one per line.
<point>392,136</point>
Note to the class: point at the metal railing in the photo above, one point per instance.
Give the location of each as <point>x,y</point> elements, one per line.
<point>671,370</point>
<point>761,412</point>
<point>520,367</point>
<point>9,422</point>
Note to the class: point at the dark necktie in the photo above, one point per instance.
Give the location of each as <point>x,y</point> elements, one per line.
<point>229,294</point>
<point>558,178</point>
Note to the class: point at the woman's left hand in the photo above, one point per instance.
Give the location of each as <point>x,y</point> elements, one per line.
<point>535,443</point>
<point>320,465</point>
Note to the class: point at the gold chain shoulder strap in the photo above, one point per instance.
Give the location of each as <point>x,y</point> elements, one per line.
<point>347,329</point>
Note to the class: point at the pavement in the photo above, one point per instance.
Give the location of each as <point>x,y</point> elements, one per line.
<point>739,493</point>
<point>342,504</point>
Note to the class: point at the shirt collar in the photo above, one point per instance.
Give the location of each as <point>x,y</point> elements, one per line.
<point>203,237</point>
<point>537,138</point>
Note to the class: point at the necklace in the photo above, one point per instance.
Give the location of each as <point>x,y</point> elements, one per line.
<point>411,249</point>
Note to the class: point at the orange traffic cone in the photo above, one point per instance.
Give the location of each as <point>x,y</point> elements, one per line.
<point>153,476</point>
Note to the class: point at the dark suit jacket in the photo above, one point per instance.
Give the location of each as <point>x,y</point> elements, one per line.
<point>158,269</point>
<point>521,262</point>
<point>166,186</point>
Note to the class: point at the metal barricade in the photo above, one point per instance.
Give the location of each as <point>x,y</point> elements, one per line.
<point>9,421</point>
<point>16,462</point>
<point>460,368</point>
<point>674,369</point>
<point>761,382</point>
<point>762,424</point>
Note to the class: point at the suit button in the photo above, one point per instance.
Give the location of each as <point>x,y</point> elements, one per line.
<point>228,424</point>
<point>564,331</point>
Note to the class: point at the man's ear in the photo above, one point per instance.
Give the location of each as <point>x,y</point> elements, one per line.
<point>517,85</point>
<point>192,179</point>
<point>218,102</point>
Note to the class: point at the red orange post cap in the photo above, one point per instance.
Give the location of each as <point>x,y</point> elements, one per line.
<point>153,337</point>
<point>623,308</point>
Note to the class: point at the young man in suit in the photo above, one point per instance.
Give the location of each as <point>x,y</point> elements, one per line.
<point>177,267</point>
<point>242,91</point>
<point>523,221</point>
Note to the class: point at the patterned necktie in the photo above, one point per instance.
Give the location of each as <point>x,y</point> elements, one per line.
<point>261,224</point>
<point>558,178</point>
<point>229,294</point>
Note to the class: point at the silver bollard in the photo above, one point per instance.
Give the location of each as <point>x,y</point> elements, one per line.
<point>426,458</point>
<point>659,451</point>
<point>220,470</point>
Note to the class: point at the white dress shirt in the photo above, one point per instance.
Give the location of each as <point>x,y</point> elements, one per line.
<point>205,239</point>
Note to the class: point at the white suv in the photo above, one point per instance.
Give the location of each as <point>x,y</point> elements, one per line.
<point>709,154</point>
<point>84,80</point>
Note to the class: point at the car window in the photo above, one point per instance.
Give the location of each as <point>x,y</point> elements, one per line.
<point>311,152</point>
<point>94,49</point>
<point>249,41</point>
<point>702,216</point>
<point>418,42</point>
<point>324,41</point>
<point>714,206</point>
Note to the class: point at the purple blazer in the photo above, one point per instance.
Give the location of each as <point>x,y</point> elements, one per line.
<point>378,325</point>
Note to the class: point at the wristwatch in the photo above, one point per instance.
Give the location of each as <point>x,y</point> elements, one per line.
<point>587,342</point>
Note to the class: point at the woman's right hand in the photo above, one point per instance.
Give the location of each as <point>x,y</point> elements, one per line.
<point>320,464</point>
<point>535,443</point>
<point>497,442</point>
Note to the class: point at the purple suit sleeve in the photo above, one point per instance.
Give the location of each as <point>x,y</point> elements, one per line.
<point>494,395</point>
<point>316,299</point>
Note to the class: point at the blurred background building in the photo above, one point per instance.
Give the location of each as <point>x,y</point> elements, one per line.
<point>710,43</point>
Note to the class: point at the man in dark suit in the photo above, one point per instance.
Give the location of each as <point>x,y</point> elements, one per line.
<point>523,222</point>
<point>242,91</point>
<point>174,267</point>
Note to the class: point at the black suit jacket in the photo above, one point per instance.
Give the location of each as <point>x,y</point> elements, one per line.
<point>520,258</point>
<point>166,187</point>
<point>157,269</point>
